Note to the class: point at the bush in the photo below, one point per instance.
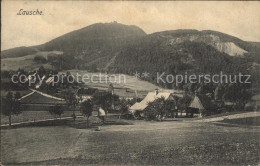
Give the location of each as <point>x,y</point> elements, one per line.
<point>150,114</point>
<point>56,110</point>
<point>157,109</point>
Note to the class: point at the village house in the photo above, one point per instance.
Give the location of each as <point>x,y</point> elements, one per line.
<point>38,101</point>
<point>138,107</point>
<point>85,93</point>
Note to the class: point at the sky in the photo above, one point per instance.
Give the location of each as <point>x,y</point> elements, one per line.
<point>237,18</point>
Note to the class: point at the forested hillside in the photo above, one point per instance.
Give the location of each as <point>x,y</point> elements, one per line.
<point>93,46</point>
<point>114,47</point>
<point>188,51</point>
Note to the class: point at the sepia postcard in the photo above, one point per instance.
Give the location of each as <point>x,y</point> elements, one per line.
<point>130,83</point>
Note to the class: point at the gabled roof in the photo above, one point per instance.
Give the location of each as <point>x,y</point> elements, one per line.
<point>136,106</point>
<point>36,97</point>
<point>202,102</point>
<point>151,96</point>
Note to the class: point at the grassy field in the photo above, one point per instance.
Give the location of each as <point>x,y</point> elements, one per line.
<point>26,116</point>
<point>143,143</point>
<point>126,81</point>
<point>252,121</point>
<point>26,62</point>
<point>128,86</point>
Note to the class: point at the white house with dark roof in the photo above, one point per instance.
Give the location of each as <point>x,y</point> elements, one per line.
<point>150,97</point>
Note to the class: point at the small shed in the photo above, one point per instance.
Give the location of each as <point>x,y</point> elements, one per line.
<point>201,104</point>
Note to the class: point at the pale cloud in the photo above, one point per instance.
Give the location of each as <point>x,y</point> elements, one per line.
<point>240,19</point>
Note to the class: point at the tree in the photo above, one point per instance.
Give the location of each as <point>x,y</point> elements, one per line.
<point>184,102</point>
<point>238,94</point>
<point>156,109</point>
<point>56,110</point>
<point>123,106</point>
<point>170,107</point>
<point>87,109</point>
<point>41,71</point>
<point>11,106</point>
<point>218,93</point>
<point>70,99</point>
<point>17,95</point>
<point>105,100</point>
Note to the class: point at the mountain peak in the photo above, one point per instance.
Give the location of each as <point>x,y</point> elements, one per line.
<point>95,36</point>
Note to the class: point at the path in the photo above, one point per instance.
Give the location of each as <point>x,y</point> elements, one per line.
<point>234,116</point>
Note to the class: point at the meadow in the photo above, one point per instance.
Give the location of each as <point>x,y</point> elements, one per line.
<point>27,116</point>
<point>143,143</point>
<point>130,82</point>
<point>128,87</point>
<point>26,62</point>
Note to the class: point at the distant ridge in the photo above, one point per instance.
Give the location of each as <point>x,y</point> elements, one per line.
<point>115,47</point>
